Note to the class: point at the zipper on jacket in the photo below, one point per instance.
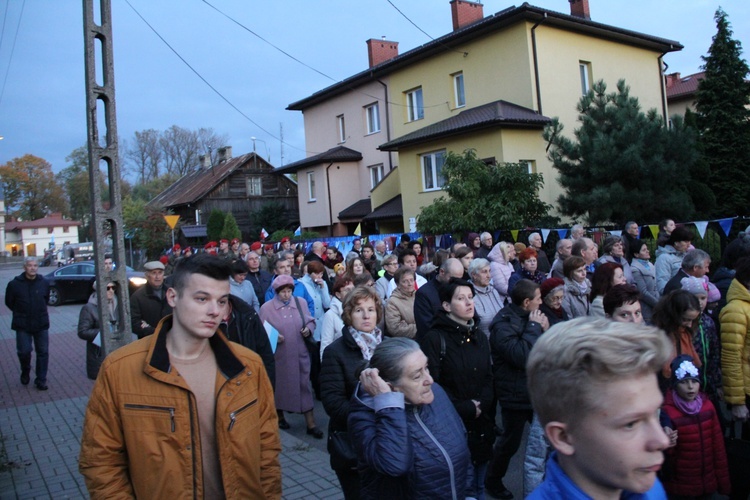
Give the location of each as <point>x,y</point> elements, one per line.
<point>192,446</point>
<point>154,408</point>
<point>442,450</point>
<point>233,415</point>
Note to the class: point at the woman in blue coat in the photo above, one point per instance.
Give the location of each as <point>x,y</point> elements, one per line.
<point>410,442</point>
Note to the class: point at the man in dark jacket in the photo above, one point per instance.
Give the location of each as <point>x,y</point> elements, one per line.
<point>427,299</point>
<point>245,327</point>
<point>260,278</point>
<point>26,296</point>
<point>148,304</point>
<point>696,263</point>
<point>515,330</point>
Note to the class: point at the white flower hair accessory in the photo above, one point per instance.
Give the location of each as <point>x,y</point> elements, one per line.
<point>686,370</point>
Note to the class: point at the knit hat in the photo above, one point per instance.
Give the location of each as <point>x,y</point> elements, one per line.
<point>550,285</point>
<point>683,368</point>
<point>282,280</point>
<point>714,295</point>
<point>696,286</point>
<point>339,267</point>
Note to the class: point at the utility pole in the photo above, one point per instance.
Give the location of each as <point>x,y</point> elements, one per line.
<point>100,97</point>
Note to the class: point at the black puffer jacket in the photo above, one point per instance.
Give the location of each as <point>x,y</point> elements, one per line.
<point>146,306</point>
<point>338,381</point>
<point>465,372</point>
<point>511,340</point>
<point>27,299</point>
<point>246,328</point>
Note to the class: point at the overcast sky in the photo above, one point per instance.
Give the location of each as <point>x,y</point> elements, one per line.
<point>43,101</point>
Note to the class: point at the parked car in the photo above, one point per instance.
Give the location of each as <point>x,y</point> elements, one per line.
<point>75,282</point>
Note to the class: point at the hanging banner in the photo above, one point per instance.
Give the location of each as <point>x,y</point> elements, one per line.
<point>545,233</point>
<point>726,225</point>
<point>616,233</point>
<point>654,230</point>
<point>562,233</point>
<point>514,233</point>
<point>358,230</point>
<point>701,225</point>
<point>438,239</point>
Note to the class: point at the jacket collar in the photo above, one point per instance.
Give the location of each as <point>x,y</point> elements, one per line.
<point>228,363</point>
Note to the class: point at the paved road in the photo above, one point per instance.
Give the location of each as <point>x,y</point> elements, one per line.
<point>40,431</point>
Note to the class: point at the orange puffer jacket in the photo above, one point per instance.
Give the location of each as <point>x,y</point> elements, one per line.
<point>141,432</point>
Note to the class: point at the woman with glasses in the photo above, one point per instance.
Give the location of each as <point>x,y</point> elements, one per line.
<point>553,293</point>
<point>89,328</point>
<point>390,265</point>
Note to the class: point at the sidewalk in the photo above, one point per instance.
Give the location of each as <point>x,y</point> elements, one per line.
<point>41,431</point>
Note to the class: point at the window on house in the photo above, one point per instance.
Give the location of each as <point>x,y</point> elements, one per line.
<point>530,166</point>
<point>50,230</point>
<point>311,186</point>
<point>585,69</point>
<point>415,104</point>
<point>432,170</point>
<point>35,231</point>
<point>373,118</point>
<point>458,88</point>
<point>66,229</point>
<point>377,172</point>
<point>342,128</point>
<point>254,186</point>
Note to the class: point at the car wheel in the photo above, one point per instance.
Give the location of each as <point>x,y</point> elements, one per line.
<point>54,296</point>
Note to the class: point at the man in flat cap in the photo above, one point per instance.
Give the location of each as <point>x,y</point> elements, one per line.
<point>148,304</point>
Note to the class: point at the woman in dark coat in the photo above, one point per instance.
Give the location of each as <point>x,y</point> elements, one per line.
<point>89,328</point>
<point>338,378</point>
<point>458,354</point>
<point>553,293</point>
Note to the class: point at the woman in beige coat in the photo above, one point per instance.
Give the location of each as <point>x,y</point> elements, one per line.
<point>399,312</point>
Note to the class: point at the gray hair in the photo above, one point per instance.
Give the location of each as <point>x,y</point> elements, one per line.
<point>286,254</point>
<point>30,258</point>
<point>477,265</point>
<point>533,236</point>
<point>580,245</point>
<point>389,258</point>
<point>389,356</point>
<point>695,257</point>
<point>560,243</point>
<point>609,242</point>
<point>484,236</point>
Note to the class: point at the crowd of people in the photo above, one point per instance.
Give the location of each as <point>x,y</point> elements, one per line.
<point>412,354</point>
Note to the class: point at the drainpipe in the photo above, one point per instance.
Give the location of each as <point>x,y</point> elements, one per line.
<point>536,64</point>
<point>387,124</point>
<point>330,207</point>
<point>663,67</point>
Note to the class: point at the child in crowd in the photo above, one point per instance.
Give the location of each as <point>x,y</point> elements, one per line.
<point>697,466</point>
<point>593,385</point>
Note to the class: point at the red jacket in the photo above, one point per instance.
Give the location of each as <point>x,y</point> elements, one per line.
<point>697,465</point>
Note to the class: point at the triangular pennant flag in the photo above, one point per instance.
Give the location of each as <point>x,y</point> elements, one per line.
<point>562,233</point>
<point>496,236</point>
<point>726,225</point>
<point>654,230</point>
<point>358,231</point>
<point>438,239</point>
<point>616,232</point>
<point>514,233</point>
<point>701,225</point>
<point>545,233</point>
<point>298,231</point>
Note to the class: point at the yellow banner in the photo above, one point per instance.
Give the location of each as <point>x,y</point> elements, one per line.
<point>654,230</point>
<point>514,233</point>
<point>172,220</point>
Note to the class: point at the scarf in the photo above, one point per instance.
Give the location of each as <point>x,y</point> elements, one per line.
<point>367,342</point>
<point>687,407</point>
<point>646,264</point>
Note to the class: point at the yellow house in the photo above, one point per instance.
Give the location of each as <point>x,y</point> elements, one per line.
<point>491,85</point>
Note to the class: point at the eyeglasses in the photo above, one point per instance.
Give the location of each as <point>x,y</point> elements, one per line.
<point>110,287</point>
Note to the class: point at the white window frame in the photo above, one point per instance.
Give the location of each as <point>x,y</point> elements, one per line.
<point>342,128</point>
<point>311,187</point>
<point>377,172</point>
<point>530,165</point>
<point>415,104</point>
<point>372,117</point>
<point>459,89</point>
<point>438,181</point>
<point>584,70</point>
<point>254,186</point>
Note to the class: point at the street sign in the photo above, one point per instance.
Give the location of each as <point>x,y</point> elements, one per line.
<point>172,220</point>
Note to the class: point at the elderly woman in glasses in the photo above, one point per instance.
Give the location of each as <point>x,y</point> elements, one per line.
<point>89,327</point>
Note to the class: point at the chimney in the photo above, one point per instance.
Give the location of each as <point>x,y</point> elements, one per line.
<point>672,79</point>
<point>225,153</point>
<point>204,161</point>
<point>379,51</point>
<point>465,13</point>
<point>580,8</point>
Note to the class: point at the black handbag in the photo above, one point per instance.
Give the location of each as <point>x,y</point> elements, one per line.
<point>738,457</point>
<point>341,450</point>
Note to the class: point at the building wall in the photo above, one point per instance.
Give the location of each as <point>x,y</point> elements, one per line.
<point>34,245</point>
<point>680,106</point>
<point>388,189</point>
<point>345,180</point>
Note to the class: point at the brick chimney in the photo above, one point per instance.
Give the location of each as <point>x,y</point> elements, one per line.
<point>379,51</point>
<point>465,13</point>
<point>204,161</point>
<point>580,8</point>
<point>671,79</point>
<point>225,153</point>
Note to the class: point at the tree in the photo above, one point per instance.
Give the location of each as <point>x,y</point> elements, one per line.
<point>146,154</point>
<point>182,147</point>
<point>483,197</point>
<point>31,191</point>
<point>151,231</point>
<point>623,164</point>
<point>723,118</point>
<point>272,216</point>
<point>215,225</point>
<point>230,230</point>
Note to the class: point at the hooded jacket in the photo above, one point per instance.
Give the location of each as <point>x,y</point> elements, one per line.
<point>735,344</point>
<point>500,271</point>
<point>668,262</point>
<point>399,315</point>
<point>141,433</point>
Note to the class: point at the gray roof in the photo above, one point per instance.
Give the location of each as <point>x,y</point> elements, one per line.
<point>491,115</point>
<point>488,25</point>
<point>337,154</point>
<point>391,209</point>
<point>356,210</point>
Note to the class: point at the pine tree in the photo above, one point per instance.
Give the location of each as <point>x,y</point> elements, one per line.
<point>724,120</point>
<point>623,164</point>
<point>230,229</point>
<point>215,225</point>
